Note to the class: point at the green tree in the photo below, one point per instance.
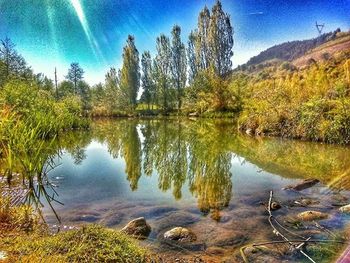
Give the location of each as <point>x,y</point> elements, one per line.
<point>98,94</point>
<point>44,82</point>
<point>65,88</point>
<point>202,41</point>
<point>130,73</point>
<point>113,97</point>
<point>191,56</point>
<point>146,79</point>
<point>220,40</point>
<point>75,75</point>
<point>178,64</point>
<point>84,92</point>
<point>163,67</point>
<point>13,64</point>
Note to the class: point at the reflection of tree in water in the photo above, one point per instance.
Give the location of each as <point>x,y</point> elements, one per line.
<point>123,140</point>
<point>209,168</point>
<point>131,151</point>
<point>75,144</point>
<point>180,151</point>
<point>166,151</point>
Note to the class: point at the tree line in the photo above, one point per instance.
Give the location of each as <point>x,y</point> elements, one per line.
<point>175,66</point>
<point>165,78</point>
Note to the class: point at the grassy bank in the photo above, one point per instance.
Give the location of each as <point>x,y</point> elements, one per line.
<point>23,238</point>
<point>312,103</point>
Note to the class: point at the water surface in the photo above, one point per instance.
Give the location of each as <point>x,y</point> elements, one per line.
<point>199,174</point>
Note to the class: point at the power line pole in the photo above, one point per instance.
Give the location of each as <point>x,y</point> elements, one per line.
<point>319,28</point>
<point>56,84</point>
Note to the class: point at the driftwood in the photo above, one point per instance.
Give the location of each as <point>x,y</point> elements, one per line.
<point>298,247</point>
<point>302,185</point>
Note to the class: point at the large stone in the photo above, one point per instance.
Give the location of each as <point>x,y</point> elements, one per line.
<point>312,215</point>
<point>345,209</point>
<point>138,228</point>
<point>180,234</point>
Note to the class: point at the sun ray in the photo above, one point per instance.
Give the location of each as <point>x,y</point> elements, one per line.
<point>78,8</point>
<point>53,33</point>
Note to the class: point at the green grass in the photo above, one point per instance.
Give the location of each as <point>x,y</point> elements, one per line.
<point>25,239</point>
<point>91,243</point>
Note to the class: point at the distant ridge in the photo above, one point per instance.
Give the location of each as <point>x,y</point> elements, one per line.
<point>289,51</point>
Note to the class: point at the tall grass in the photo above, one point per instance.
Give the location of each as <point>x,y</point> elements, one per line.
<point>30,122</point>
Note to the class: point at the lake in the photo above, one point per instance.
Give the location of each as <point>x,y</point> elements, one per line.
<point>195,173</point>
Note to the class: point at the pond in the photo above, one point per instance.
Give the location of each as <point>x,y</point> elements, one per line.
<point>199,174</point>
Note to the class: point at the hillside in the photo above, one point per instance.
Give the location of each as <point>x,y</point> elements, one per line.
<point>291,50</point>
<point>324,51</point>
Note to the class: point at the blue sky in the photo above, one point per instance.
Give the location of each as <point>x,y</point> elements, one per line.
<point>51,33</point>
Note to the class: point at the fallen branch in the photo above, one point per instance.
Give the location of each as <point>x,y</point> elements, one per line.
<point>278,233</point>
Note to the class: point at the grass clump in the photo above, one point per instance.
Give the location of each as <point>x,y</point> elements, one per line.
<point>89,244</point>
<point>24,238</point>
<point>17,220</point>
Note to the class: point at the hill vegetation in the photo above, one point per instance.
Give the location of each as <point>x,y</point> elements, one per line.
<point>291,50</point>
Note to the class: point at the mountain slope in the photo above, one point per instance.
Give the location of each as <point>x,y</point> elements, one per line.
<point>291,50</point>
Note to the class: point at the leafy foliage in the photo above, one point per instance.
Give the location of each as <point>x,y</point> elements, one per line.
<point>312,103</point>
<point>291,50</point>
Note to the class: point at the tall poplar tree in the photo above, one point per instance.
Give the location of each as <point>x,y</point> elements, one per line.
<point>112,89</point>
<point>202,41</point>
<point>163,69</point>
<point>130,74</point>
<point>178,64</point>
<point>146,78</point>
<point>220,40</point>
<point>191,56</point>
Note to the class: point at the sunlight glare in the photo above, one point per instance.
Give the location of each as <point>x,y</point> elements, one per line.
<point>83,21</point>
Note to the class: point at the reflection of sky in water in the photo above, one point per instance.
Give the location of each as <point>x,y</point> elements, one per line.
<point>100,177</point>
<point>202,165</point>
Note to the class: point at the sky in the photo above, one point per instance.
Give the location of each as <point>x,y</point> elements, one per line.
<point>54,33</point>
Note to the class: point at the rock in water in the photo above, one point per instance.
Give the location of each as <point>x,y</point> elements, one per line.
<point>345,209</point>
<point>275,206</point>
<point>180,234</point>
<point>312,215</point>
<point>138,228</point>
<point>303,185</point>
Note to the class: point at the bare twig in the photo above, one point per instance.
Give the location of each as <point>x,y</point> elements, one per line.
<point>278,233</point>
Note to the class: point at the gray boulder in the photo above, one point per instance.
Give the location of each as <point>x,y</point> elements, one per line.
<point>137,228</point>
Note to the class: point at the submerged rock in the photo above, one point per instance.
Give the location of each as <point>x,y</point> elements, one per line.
<point>181,218</point>
<point>312,215</point>
<point>138,228</point>
<point>345,209</point>
<point>306,202</point>
<point>180,234</point>
<point>302,185</point>
<point>215,251</point>
<point>234,241</point>
<point>275,206</point>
